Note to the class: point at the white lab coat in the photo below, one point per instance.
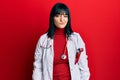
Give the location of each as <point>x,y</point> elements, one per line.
<point>44,55</point>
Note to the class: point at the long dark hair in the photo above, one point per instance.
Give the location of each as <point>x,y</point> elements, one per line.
<point>57,8</point>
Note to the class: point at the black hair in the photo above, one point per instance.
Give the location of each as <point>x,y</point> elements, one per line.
<point>57,9</point>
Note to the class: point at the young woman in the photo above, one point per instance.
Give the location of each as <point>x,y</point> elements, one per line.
<point>60,53</point>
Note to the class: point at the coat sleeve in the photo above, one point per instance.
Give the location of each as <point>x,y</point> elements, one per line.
<point>83,62</point>
<point>37,64</point>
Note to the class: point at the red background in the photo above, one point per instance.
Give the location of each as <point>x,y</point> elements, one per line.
<point>23,21</point>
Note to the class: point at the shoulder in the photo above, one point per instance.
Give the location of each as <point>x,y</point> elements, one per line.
<point>76,35</point>
<point>42,38</point>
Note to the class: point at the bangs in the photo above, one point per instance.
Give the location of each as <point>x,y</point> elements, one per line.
<point>61,11</point>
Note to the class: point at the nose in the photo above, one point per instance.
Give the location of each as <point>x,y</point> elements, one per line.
<point>61,18</point>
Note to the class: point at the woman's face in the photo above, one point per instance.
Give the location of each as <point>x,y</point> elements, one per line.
<point>60,20</point>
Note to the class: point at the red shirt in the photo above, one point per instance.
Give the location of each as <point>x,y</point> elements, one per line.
<point>60,67</point>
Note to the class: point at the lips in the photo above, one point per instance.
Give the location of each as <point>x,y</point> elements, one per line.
<point>61,23</point>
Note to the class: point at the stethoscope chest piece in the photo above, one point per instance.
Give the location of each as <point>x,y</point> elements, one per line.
<point>63,57</point>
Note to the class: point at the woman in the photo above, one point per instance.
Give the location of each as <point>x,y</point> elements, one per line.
<point>60,53</point>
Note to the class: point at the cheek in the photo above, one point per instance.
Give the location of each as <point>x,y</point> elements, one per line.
<point>66,20</point>
<point>55,20</point>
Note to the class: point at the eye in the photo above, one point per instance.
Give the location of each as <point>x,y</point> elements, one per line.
<point>66,16</point>
<point>57,15</point>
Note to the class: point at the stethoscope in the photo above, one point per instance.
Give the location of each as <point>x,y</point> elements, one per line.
<point>64,54</point>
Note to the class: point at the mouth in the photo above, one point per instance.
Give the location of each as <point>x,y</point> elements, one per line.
<point>61,23</point>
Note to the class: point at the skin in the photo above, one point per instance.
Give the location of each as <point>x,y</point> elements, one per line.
<point>61,20</point>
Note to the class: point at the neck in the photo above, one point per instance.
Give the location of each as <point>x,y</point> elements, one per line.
<point>59,31</point>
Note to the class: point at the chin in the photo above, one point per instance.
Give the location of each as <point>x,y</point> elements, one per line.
<point>61,26</point>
